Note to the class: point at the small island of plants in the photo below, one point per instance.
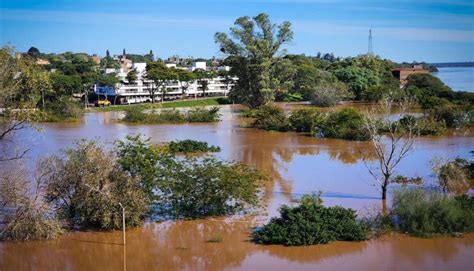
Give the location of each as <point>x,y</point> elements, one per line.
<point>136,115</point>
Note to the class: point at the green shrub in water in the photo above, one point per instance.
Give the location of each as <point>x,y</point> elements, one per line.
<point>189,146</point>
<point>425,214</point>
<point>62,110</point>
<point>311,223</point>
<point>347,123</point>
<point>203,115</point>
<point>136,115</point>
<point>271,117</point>
<point>306,120</point>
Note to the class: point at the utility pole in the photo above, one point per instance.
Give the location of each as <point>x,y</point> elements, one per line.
<point>123,223</point>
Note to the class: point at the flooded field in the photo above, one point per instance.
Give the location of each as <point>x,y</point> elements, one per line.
<point>297,163</point>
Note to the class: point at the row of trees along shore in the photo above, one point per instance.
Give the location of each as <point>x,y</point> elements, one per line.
<point>70,186</point>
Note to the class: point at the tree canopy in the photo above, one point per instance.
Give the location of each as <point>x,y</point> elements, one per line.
<point>252,54</point>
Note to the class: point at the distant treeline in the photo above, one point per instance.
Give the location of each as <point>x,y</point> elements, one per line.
<point>453,64</point>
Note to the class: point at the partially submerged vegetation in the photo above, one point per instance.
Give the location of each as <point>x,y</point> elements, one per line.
<point>311,223</point>
<point>190,146</point>
<point>87,187</point>
<point>346,123</point>
<point>423,213</point>
<point>167,104</point>
<point>172,183</point>
<point>136,115</point>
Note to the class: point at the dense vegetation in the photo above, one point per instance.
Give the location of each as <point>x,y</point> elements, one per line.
<point>425,214</point>
<point>311,223</point>
<point>136,115</point>
<point>86,186</point>
<point>346,123</point>
<point>188,186</point>
<point>190,146</point>
<point>86,178</point>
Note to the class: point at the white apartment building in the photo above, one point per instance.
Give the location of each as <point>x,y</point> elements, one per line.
<point>139,91</point>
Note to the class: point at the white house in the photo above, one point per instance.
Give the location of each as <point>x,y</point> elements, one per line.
<point>139,91</point>
<point>198,65</point>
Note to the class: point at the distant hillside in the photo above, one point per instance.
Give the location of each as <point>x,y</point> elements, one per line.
<point>453,64</point>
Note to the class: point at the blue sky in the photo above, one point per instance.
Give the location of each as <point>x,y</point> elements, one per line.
<point>428,30</point>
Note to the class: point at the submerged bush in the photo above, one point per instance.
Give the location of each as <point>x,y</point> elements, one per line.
<point>189,187</point>
<point>311,223</point>
<point>203,115</point>
<point>347,123</point>
<point>136,115</point>
<point>305,120</point>
<point>187,146</point>
<point>207,187</point>
<point>23,212</point>
<point>62,110</point>
<point>454,176</point>
<point>425,214</point>
<point>422,125</point>
<point>271,117</point>
<point>87,186</point>
<point>453,115</point>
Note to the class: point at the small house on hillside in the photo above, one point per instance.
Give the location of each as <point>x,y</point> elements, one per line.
<point>402,73</point>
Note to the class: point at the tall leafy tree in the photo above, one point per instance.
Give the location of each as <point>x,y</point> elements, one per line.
<point>158,75</point>
<point>132,76</point>
<point>186,78</point>
<point>228,80</point>
<point>33,52</point>
<point>253,52</point>
<point>203,80</point>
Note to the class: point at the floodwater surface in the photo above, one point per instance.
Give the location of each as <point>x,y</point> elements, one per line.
<point>297,163</point>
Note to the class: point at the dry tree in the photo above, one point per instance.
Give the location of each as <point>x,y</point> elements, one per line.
<point>391,139</point>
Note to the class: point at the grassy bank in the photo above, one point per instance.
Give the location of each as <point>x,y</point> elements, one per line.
<point>169,104</point>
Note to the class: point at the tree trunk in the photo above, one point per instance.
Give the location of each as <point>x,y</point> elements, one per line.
<point>384,187</point>
<point>42,98</point>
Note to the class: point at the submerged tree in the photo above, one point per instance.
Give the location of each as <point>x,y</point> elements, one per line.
<point>253,54</point>
<point>391,140</point>
<point>25,214</point>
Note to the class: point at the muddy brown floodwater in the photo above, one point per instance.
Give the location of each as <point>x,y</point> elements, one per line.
<point>298,164</point>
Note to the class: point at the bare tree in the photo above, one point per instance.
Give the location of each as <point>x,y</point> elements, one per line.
<point>391,139</point>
